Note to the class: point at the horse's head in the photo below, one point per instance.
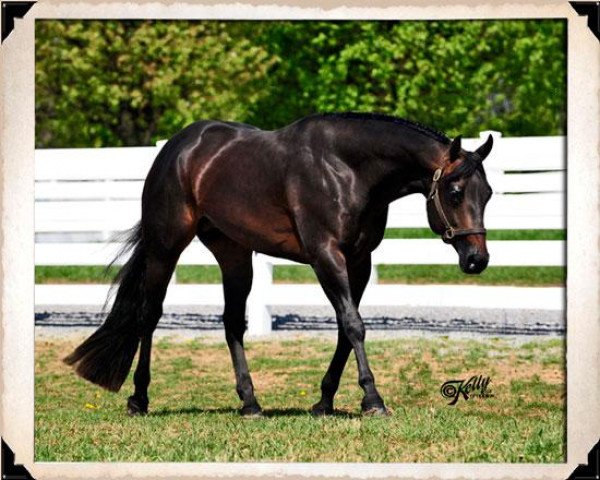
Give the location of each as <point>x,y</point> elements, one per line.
<point>458,194</point>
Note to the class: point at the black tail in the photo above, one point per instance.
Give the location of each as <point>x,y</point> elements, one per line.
<point>105,358</point>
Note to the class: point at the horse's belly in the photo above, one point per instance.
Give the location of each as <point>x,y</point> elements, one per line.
<point>268,232</point>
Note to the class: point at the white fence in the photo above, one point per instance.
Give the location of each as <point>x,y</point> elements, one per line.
<point>97,191</point>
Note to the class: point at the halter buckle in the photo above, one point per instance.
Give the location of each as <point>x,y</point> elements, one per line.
<point>436,177</point>
<point>449,234</point>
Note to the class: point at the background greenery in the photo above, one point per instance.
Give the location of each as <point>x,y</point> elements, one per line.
<point>113,83</point>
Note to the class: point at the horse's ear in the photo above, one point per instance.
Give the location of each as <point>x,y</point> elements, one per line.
<point>486,148</point>
<point>454,148</point>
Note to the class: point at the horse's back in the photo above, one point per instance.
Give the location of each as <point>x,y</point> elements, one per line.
<point>276,192</point>
<point>193,143</point>
<point>229,174</point>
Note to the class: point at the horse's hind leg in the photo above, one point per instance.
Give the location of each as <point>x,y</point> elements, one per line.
<point>358,275</point>
<point>158,274</point>
<point>161,259</point>
<point>236,266</point>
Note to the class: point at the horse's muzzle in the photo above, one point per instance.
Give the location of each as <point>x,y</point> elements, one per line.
<point>474,263</point>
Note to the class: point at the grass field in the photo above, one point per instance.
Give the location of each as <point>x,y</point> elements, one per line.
<point>407,274</point>
<point>193,410</point>
<point>491,234</point>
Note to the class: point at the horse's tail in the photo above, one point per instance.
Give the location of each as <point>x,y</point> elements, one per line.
<point>105,358</point>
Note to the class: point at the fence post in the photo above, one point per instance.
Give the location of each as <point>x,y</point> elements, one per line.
<point>374,278</point>
<point>106,230</point>
<point>259,318</point>
<point>495,135</point>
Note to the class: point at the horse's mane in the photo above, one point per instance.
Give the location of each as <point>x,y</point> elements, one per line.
<point>467,167</point>
<point>419,127</point>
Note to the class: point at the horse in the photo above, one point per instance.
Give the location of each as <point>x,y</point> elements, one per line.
<point>316,192</point>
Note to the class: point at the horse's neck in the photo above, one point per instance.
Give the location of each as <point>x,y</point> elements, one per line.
<point>392,165</point>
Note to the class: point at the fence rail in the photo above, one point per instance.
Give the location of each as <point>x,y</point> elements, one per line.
<point>97,191</point>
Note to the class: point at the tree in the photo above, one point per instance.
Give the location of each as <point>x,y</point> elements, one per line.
<point>101,83</point>
<point>458,76</point>
<point>133,82</point>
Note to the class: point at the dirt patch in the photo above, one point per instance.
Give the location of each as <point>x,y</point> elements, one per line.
<point>510,369</point>
<point>264,380</point>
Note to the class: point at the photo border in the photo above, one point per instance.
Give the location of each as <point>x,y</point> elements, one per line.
<point>17,117</point>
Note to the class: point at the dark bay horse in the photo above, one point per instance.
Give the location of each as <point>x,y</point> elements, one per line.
<point>316,192</point>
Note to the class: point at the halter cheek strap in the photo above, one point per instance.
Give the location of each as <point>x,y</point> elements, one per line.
<point>450,231</point>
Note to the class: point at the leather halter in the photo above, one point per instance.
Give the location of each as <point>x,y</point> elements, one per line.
<point>450,231</point>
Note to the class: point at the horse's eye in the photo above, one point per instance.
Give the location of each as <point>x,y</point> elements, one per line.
<point>456,196</point>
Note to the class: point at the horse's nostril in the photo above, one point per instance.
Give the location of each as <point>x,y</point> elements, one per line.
<point>476,263</point>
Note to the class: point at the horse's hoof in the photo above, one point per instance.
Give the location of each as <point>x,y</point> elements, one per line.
<point>319,410</point>
<point>376,412</point>
<point>136,408</point>
<point>251,411</point>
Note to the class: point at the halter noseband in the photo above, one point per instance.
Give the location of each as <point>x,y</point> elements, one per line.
<point>450,231</point>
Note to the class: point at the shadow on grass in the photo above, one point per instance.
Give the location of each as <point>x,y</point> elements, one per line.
<point>191,411</point>
<point>268,413</point>
<point>297,412</point>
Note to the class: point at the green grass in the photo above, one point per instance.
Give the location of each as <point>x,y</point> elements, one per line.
<point>74,274</point>
<point>412,274</point>
<point>198,274</point>
<point>491,234</point>
<point>407,274</point>
<point>294,274</point>
<point>193,410</point>
<point>451,274</point>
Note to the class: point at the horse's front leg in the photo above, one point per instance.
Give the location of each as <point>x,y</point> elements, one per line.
<point>332,272</point>
<point>358,275</point>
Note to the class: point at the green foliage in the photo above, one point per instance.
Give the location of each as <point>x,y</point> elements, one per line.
<point>119,83</point>
<point>111,83</point>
